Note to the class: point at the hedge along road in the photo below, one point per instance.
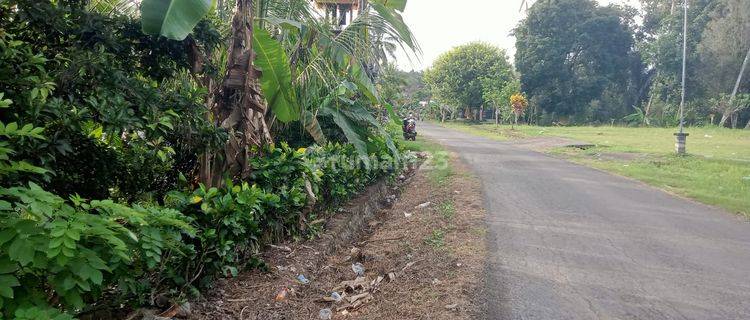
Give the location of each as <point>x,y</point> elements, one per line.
<point>570,242</point>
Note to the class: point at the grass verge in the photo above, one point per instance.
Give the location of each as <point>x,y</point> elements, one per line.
<point>439,162</point>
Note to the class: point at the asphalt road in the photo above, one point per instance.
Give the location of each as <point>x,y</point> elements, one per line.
<point>571,242</point>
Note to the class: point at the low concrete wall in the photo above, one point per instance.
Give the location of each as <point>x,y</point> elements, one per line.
<point>347,224</point>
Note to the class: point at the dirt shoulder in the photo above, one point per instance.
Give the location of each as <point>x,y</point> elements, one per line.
<point>421,261</point>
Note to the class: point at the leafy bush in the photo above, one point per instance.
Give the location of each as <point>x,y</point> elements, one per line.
<point>68,253</point>
<point>80,122</point>
<point>72,251</point>
<point>117,103</point>
<point>229,221</point>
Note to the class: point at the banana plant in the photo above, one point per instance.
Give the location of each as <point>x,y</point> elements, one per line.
<point>300,58</point>
<point>174,19</point>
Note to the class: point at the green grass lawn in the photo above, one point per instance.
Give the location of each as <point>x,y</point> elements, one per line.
<point>716,171</point>
<point>438,164</point>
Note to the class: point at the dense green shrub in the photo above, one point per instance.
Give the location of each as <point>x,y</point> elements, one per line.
<point>90,108</point>
<point>124,117</point>
<point>73,251</point>
<point>66,254</point>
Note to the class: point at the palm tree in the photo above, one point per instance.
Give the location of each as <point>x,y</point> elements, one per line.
<point>307,67</point>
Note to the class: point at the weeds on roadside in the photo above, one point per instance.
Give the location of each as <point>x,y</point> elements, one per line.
<point>436,239</point>
<point>447,209</point>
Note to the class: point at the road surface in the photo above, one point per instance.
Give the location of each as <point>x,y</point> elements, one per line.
<point>571,242</point>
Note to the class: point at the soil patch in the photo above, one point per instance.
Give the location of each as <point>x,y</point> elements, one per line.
<point>423,258</point>
<point>544,144</point>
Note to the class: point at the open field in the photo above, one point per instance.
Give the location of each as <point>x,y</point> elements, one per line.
<point>716,171</point>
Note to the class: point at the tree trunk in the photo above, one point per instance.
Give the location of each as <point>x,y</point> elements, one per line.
<point>647,110</point>
<point>238,106</point>
<point>730,108</point>
<point>497,116</point>
<point>747,126</point>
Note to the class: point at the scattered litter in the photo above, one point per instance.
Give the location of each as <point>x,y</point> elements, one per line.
<point>336,296</point>
<point>358,297</point>
<point>356,285</point>
<point>424,205</point>
<point>391,276</point>
<point>436,281</point>
<point>458,264</point>
<point>451,306</point>
<point>707,136</point>
<point>356,254</point>
<point>401,177</point>
<point>181,311</point>
<point>456,192</point>
<point>746,178</point>
<point>358,269</point>
<point>282,248</point>
<point>375,283</point>
<point>282,294</point>
<point>302,279</point>
<point>325,314</point>
<point>406,214</point>
<point>408,265</point>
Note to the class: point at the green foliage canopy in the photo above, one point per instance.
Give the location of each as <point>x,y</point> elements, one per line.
<point>459,76</point>
<point>570,51</point>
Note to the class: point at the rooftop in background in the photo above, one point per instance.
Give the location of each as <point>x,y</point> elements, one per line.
<point>339,13</point>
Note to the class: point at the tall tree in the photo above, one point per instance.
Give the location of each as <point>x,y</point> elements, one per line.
<point>660,43</point>
<point>571,51</point>
<point>457,76</point>
<point>724,48</point>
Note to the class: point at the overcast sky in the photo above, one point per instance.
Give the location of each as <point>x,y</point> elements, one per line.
<point>440,25</point>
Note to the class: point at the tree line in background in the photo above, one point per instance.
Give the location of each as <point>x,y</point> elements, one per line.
<point>581,63</point>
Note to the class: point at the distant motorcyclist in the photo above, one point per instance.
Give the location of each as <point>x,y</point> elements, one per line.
<point>410,127</point>
<point>409,117</point>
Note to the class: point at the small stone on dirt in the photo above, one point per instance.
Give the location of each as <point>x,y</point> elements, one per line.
<point>282,248</point>
<point>325,314</point>
<point>408,265</point>
<point>424,205</point>
<point>407,214</point>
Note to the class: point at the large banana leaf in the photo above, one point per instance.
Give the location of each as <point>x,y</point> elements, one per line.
<point>396,22</point>
<point>364,83</point>
<point>174,19</point>
<point>350,130</point>
<point>276,80</point>
<point>312,126</point>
